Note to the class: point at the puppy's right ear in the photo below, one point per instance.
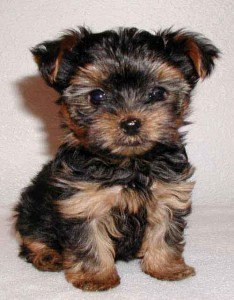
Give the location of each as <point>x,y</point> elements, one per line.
<point>55,59</point>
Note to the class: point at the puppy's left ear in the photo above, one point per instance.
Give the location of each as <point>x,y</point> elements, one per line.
<point>191,47</point>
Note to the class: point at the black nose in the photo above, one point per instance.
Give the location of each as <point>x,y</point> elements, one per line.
<point>130,126</point>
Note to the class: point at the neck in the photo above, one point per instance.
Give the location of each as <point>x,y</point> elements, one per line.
<point>168,163</point>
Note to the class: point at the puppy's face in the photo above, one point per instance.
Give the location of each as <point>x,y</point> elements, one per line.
<point>125,91</point>
<point>126,107</point>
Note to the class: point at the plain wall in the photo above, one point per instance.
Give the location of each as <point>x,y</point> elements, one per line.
<point>29,126</point>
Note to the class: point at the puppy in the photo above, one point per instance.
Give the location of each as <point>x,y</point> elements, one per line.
<point>118,186</point>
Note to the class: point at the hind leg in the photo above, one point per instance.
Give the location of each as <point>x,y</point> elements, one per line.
<point>40,255</point>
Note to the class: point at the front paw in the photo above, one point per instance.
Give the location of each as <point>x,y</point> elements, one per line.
<point>176,270</point>
<point>100,281</point>
<point>172,275</point>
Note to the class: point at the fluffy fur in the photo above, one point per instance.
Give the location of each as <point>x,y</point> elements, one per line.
<point>118,186</point>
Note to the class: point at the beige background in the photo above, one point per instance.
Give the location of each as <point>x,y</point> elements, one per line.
<point>28,122</point>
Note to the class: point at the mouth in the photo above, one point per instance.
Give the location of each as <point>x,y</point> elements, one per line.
<point>130,141</point>
<point>130,148</point>
<point>130,144</point>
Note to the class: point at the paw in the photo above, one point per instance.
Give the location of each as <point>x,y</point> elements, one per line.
<point>49,261</point>
<point>41,256</point>
<point>94,282</point>
<point>172,274</point>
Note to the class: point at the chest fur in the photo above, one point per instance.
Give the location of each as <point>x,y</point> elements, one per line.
<point>94,201</point>
<point>125,211</point>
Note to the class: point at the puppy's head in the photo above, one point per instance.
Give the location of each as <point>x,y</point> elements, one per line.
<point>125,91</point>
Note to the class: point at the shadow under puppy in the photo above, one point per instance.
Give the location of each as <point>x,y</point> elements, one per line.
<point>117,188</point>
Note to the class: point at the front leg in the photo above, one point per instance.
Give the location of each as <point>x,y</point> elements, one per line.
<point>163,243</point>
<point>89,256</point>
<point>86,231</point>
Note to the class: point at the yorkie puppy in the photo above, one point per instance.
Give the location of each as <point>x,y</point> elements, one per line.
<point>117,188</point>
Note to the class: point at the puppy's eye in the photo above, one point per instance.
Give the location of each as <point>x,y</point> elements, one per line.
<point>157,95</point>
<point>96,96</point>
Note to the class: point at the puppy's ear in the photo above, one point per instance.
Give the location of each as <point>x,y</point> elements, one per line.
<point>188,47</point>
<point>55,59</point>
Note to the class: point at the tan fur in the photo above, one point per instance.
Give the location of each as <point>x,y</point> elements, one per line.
<point>34,246</point>
<point>89,76</point>
<point>43,257</point>
<point>80,133</point>
<point>154,126</point>
<point>99,281</point>
<point>173,195</point>
<point>99,272</point>
<point>131,200</point>
<point>192,50</point>
<point>104,245</point>
<point>194,53</point>
<point>72,139</point>
<point>92,201</point>
<point>159,259</point>
<point>52,76</point>
<point>167,72</point>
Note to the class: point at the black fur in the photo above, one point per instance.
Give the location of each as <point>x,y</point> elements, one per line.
<point>132,227</point>
<point>119,45</point>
